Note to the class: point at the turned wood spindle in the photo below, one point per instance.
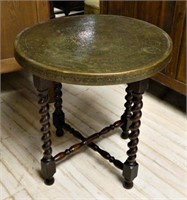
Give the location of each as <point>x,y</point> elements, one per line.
<point>58,115</point>
<point>93,146</point>
<point>126,117</point>
<point>88,141</point>
<point>48,166</point>
<point>44,112</point>
<point>130,167</point>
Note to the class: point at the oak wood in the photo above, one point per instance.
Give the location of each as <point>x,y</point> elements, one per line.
<point>13,13</point>
<point>17,15</point>
<point>9,65</point>
<point>43,10</point>
<point>176,35</point>
<point>168,81</point>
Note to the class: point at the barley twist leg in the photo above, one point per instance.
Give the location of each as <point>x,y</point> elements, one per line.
<point>48,167</point>
<point>58,115</point>
<point>130,167</point>
<point>126,117</point>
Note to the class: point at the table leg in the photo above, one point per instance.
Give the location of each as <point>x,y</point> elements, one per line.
<point>58,115</point>
<point>130,167</point>
<point>48,166</point>
<point>126,117</point>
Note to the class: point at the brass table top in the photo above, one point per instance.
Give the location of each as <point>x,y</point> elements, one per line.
<point>93,49</point>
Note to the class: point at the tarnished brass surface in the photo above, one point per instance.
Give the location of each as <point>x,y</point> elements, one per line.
<point>94,49</point>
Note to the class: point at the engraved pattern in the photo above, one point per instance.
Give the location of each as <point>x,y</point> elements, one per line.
<point>82,53</point>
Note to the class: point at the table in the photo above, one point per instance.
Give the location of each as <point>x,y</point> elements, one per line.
<point>92,50</point>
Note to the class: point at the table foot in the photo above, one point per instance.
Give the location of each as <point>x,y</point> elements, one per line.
<point>127,185</point>
<point>49,181</point>
<point>48,169</point>
<point>124,135</point>
<point>130,172</point>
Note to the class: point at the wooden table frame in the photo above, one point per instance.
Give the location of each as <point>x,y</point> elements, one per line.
<point>129,123</point>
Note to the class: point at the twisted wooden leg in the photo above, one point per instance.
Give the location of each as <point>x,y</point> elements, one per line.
<point>130,167</point>
<point>48,167</point>
<point>126,117</point>
<point>58,115</point>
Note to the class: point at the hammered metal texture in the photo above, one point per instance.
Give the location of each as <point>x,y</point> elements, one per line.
<point>94,49</point>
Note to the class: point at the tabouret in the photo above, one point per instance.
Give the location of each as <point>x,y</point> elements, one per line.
<point>93,50</point>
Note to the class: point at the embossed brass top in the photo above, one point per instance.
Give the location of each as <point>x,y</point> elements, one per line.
<point>93,49</point>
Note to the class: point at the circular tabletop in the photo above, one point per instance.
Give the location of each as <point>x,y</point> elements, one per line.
<point>93,49</point>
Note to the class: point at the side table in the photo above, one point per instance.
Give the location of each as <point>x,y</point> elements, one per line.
<point>92,50</point>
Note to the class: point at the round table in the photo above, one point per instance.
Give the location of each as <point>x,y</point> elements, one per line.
<point>93,50</point>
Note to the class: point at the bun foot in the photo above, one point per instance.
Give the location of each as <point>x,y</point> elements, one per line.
<point>49,181</point>
<point>59,133</point>
<point>125,136</point>
<point>127,185</point>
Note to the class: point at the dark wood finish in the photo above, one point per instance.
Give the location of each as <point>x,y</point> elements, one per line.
<point>92,145</point>
<point>95,147</point>
<point>89,142</point>
<point>58,115</point>
<point>168,15</point>
<point>126,117</point>
<point>130,167</point>
<point>181,72</point>
<point>48,167</point>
